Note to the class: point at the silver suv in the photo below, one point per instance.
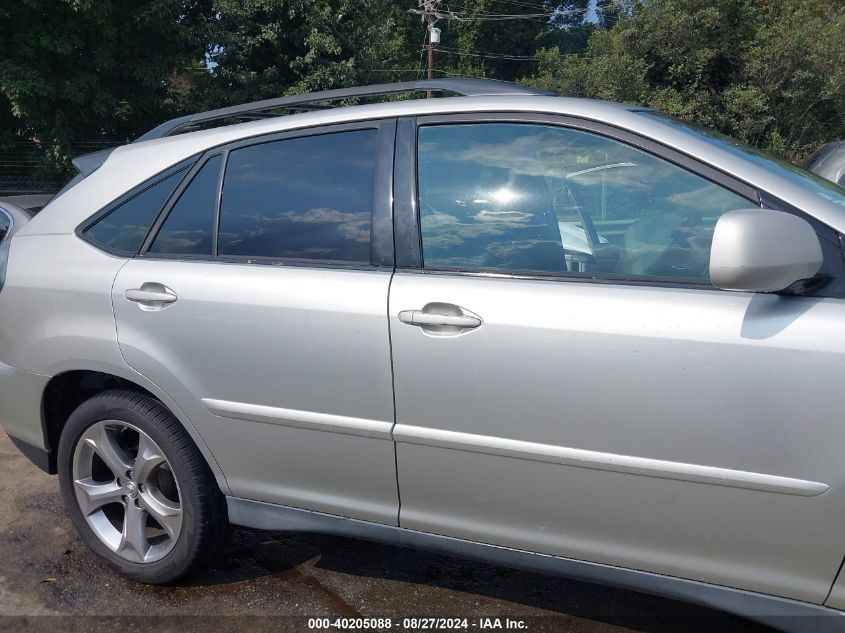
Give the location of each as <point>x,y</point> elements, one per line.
<point>558,334</point>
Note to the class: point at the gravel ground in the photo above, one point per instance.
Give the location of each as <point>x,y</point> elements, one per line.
<point>276,581</point>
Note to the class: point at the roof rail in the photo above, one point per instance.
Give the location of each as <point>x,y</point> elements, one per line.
<point>461,86</point>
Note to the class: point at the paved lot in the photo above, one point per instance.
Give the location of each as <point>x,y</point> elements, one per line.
<point>46,571</point>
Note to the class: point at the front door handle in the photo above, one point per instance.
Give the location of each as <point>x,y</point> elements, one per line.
<point>151,296</point>
<point>441,319</point>
<point>418,317</point>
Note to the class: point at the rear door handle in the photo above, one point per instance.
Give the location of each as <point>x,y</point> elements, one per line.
<point>151,296</point>
<point>418,317</point>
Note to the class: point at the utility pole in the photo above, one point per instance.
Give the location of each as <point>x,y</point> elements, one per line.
<point>429,13</point>
<point>430,55</point>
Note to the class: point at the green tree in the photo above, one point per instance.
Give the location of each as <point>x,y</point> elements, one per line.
<point>262,49</point>
<point>81,72</point>
<point>498,38</point>
<point>770,72</point>
<point>570,26</point>
<point>488,38</point>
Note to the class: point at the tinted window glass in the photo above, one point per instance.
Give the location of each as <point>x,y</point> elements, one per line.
<point>189,225</point>
<point>539,198</point>
<point>126,227</point>
<point>301,198</point>
<point>809,181</point>
<point>5,223</point>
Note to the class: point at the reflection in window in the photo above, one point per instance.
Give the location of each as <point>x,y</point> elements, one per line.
<point>5,225</point>
<point>125,228</point>
<point>807,180</point>
<point>546,199</point>
<point>305,198</point>
<point>190,223</point>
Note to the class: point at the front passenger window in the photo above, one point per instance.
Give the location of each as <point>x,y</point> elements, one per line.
<point>551,200</point>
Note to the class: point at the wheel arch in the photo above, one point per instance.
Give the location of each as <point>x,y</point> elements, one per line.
<point>68,389</point>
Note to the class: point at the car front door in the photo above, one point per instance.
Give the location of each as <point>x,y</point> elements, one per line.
<point>259,305</point>
<point>567,380</point>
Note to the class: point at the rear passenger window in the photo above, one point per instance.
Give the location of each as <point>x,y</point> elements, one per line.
<point>302,198</point>
<point>190,223</point>
<point>125,228</point>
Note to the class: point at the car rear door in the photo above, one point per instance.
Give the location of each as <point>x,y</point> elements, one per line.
<point>258,304</point>
<point>567,380</point>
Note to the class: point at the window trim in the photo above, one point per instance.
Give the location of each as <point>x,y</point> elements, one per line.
<point>114,205</point>
<point>381,221</point>
<point>408,233</point>
<point>186,181</point>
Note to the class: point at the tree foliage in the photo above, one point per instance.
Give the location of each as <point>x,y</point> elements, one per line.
<point>260,49</point>
<point>86,71</point>
<point>75,73</point>
<point>770,72</point>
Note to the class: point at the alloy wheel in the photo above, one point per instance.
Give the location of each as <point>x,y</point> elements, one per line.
<point>126,490</point>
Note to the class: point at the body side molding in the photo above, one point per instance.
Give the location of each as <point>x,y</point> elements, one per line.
<point>781,613</point>
<point>596,460</point>
<point>300,419</point>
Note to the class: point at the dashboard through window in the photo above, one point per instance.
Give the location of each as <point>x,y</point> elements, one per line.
<point>545,199</point>
<point>300,198</point>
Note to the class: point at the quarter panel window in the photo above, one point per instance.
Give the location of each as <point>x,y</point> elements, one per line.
<point>546,199</point>
<point>190,223</point>
<point>125,228</point>
<point>303,198</point>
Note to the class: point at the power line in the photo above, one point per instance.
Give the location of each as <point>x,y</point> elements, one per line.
<point>461,13</point>
<point>429,11</point>
<point>422,68</point>
<point>528,5</point>
<point>487,55</point>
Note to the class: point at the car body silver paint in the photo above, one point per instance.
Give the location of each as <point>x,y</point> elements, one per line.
<point>667,378</point>
<point>779,613</point>
<point>829,162</point>
<point>132,164</point>
<point>690,381</point>
<point>20,404</point>
<point>57,317</point>
<point>836,599</point>
<point>378,429</point>
<point>761,250</point>
<point>262,341</point>
<point>53,307</point>
<point>627,464</point>
<point>30,202</point>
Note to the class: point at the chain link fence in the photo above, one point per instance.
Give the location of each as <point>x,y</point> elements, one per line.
<point>27,168</point>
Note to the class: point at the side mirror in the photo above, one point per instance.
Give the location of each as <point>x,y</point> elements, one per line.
<point>758,250</point>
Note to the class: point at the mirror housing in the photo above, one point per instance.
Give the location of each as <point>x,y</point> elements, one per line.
<point>760,250</point>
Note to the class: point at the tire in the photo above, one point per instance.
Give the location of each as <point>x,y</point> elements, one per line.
<point>154,524</point>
